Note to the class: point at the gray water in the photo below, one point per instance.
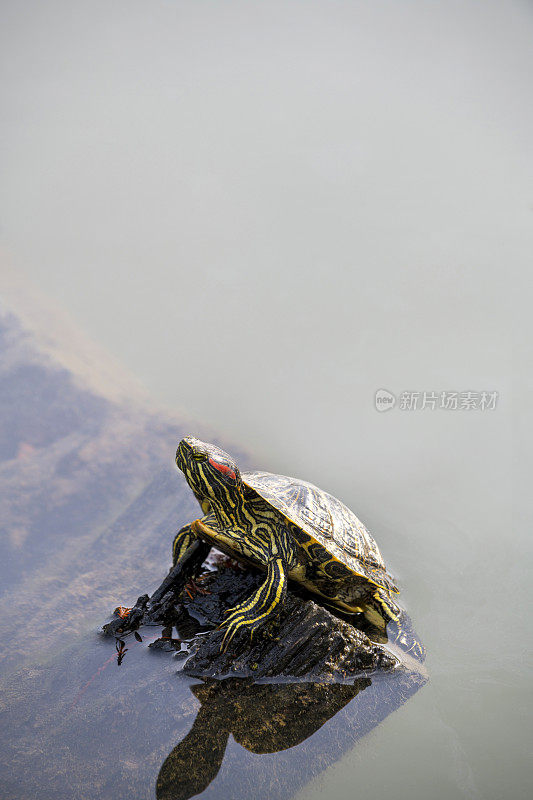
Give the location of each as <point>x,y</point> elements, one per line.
<point>268,212</point>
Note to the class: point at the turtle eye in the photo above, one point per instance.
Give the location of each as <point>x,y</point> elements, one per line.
<point>222,468</point>
<point>199,457</point>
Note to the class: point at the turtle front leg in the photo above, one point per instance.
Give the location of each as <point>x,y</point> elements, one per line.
<point>182,540</point>
<point>261,606</point>
<point>188,554</point>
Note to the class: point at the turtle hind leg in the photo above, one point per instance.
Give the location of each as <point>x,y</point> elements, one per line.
<point>381,611</point>
<point>403,635</point>
<point>261,606</point>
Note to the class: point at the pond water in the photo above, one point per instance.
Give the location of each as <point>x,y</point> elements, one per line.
<point>268,214</point>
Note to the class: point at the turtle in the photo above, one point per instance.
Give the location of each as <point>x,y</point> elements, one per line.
<point>292,530</point>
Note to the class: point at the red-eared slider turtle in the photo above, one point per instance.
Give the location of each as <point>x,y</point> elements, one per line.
<point>291,529</point>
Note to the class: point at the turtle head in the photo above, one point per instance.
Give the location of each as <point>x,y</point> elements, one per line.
<point>211,473</point>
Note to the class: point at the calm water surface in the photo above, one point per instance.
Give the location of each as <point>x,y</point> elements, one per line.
<point>268,215</point>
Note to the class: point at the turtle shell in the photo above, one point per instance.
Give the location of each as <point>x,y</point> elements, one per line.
<point>334,538</point>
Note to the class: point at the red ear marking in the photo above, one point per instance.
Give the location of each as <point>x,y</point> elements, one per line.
<point>222,468</point>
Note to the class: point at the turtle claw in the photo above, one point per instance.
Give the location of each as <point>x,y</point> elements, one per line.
<point>226,640</point>
<point>236,622</point>
<point>231,630</point>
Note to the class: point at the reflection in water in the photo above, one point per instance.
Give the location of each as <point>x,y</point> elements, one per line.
<point>263,718</point>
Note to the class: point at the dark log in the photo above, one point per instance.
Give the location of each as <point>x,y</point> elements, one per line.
<point>305,642</point>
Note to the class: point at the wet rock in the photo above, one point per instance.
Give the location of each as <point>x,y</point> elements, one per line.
<point>165,645</point>
<point>306,641</point>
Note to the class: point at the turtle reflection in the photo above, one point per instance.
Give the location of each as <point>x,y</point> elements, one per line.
<point>263,718</point>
